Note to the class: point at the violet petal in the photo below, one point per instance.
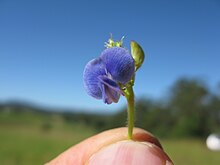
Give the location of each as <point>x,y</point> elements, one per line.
<point>119,64</point>
<point>92,71</point>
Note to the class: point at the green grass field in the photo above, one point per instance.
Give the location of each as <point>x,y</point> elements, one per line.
<point>35,139</point>
<point>190,152</point>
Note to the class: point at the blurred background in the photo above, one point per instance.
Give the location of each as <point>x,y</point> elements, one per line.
<point>45,45</point>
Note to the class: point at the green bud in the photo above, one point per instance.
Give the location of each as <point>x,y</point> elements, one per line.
<point>137,54</point>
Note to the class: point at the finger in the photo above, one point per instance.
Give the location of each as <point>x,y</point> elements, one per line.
<point>81,152</point>
<point>129,153</point>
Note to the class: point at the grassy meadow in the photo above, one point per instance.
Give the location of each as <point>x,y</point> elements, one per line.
<point>35,138</point>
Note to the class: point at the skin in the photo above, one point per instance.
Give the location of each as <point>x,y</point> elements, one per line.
<point>112,147</point>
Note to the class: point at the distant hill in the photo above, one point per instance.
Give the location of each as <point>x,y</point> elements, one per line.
<point>18,110</point>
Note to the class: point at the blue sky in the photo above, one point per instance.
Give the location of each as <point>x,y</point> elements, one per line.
<point>44,46</point>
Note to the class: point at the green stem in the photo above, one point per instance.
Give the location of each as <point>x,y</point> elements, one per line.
<point>129,94</point>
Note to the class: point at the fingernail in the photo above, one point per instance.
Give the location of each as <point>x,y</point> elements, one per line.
<point>129,153</point>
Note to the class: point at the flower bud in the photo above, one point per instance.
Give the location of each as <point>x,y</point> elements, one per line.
<point>137,54</point>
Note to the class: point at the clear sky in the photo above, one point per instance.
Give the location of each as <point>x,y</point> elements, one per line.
<point>45,44</point>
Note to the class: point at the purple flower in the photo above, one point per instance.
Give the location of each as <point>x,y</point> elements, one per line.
<point>102,75</point>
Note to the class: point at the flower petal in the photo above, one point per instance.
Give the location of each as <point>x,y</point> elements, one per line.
<point>110,83</point>
<point>92,71</point>
<point>119,63</point>
<point>109,95</point>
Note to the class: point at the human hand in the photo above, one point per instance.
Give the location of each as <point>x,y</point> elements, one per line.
<point>112,148</point>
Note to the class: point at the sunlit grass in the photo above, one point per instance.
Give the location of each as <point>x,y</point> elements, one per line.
<point>38,140</point>
<point>190,152</point>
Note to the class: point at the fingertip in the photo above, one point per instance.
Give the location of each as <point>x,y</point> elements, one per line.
<point>130,153</point>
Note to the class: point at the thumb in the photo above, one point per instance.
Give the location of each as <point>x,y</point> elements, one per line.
<point>112,146</point>
<point>130,153</point>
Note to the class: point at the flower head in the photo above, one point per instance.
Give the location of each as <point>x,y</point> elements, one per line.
<point>113,71</point>
<point>103,75</point>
